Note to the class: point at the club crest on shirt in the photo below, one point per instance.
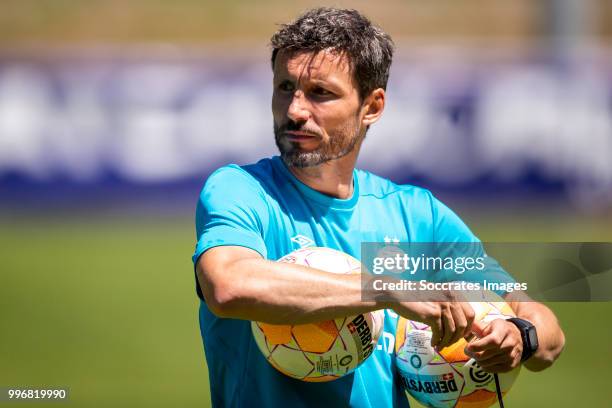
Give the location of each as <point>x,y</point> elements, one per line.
<point>302,241</point>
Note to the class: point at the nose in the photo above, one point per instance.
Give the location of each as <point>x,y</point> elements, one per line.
<point>298,108</point>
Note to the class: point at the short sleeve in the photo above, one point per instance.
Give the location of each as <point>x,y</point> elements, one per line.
<point>231,210</point>
<point>448,227</point>
<point>457,240</point>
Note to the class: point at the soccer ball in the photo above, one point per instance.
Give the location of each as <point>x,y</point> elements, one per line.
<point>447,377</point>
<point>326,350</point>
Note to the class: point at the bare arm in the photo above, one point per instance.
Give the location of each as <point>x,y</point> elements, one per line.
<point>238,283</point>
<point>550,336</point>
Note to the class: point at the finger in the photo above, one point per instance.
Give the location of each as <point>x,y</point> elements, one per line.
<point>491,357</point>
<point>500,360</point>
<point>483,355</point>
<point>505,353</point>
<point>436,331</point>
<point>489,342</point>
<point>458,311</point>
<point>448,325</point>
<point>469,314</point>
<point>509,344</point>
<point>479,328</point>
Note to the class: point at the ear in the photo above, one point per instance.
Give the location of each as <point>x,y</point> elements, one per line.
<point>373,106</point>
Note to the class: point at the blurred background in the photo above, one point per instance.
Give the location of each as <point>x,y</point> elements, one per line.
<point>113,113</point>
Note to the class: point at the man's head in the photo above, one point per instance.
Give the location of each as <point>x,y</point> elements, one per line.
<point>330,74</point>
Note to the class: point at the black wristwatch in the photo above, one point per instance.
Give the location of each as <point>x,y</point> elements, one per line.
<point>528,335</point>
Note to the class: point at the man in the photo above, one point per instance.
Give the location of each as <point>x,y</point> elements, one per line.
<point>330,73</point>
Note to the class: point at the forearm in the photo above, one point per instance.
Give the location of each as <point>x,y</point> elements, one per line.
<point>280,293</point>
<point>550,336</point>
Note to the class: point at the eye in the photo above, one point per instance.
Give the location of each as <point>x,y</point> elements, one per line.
<point>286,86</point>
<point>321,91</point>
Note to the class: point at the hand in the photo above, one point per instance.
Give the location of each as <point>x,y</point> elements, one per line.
<point>498,348</point>
<point>450,320</point>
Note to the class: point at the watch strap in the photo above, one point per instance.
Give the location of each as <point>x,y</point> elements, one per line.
<point>525,327</point>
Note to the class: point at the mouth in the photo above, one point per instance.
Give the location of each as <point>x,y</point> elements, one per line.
<point>298,136</point>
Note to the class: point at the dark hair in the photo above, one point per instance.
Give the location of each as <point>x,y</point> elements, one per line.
<point>369,48</point>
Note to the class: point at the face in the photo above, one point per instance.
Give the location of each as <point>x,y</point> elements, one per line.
<point>316,108</point>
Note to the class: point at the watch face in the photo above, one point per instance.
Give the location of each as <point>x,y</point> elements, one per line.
<point>533,338</point>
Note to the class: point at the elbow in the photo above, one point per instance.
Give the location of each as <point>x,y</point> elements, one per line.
<point>228,291</point>
<point>221,299</point>
<point>555,352</point>
<point>539,364</point>
<point>220,293</point>
<point>547,357</point>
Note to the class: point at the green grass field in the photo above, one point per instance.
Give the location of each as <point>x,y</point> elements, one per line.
<point>107,308</point>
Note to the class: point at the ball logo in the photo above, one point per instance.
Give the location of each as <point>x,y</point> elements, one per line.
<point>479,376</point>
<point>346,360</point>
<point>360,326</point>
<point>415,361</point>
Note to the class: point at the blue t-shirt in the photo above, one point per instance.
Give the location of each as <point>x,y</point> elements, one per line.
<point>264,207</point>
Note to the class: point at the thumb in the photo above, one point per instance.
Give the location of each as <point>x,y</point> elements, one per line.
<point>479,328</point>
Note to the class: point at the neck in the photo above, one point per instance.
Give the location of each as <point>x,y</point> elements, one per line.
<point>333,178</point>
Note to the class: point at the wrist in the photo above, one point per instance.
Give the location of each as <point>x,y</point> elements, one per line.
<point>529,337</point>
<point>376,289</point>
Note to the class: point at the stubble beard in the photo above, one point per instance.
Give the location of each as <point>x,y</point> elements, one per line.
<point>340,144</point>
